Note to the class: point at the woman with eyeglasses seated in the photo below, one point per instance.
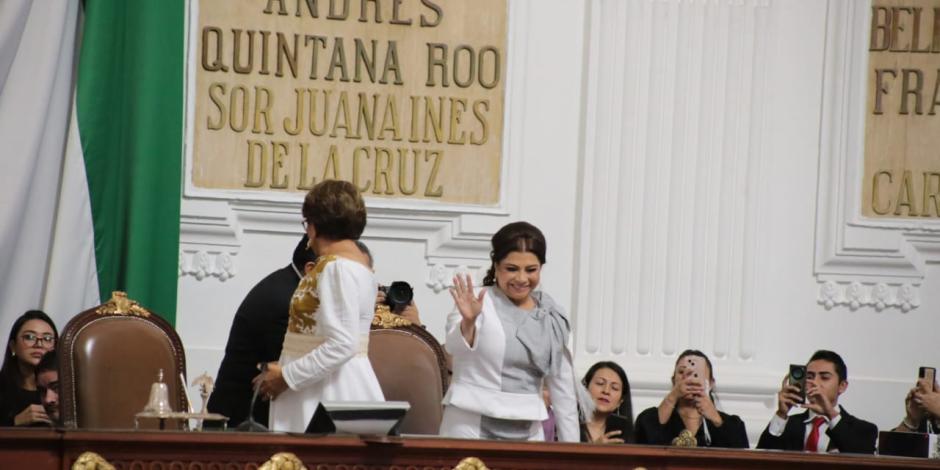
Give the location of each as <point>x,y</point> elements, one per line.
<point>33,334</point>
<point>688,417</point>
<point>612,422</point>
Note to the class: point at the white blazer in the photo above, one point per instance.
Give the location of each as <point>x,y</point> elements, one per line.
<point>477,380</point>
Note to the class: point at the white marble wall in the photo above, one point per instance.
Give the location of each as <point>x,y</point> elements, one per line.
<point>695,166</point>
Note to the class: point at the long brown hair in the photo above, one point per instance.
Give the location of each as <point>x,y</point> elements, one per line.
<point>10,372</point>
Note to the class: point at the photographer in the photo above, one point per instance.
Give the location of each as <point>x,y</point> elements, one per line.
<point>825,426</point>
<point>688,415</point>
<point>401,301</point>
<point>922,405</point>
<point>408,311</point>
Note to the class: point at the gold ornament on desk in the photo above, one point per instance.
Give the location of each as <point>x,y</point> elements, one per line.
<point>471,463</point>
<point>283,461</point>
<point>685,439</point>
<point>206,387</point>
<point>91,461</point>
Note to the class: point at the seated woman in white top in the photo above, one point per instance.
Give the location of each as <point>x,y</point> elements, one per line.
<point>505,341</point>
<point>325,351</point>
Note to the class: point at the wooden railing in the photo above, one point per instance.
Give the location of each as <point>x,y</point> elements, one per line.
<point>59,450</point>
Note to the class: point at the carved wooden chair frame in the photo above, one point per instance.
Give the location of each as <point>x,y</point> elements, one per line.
<point>118,306</point>
<point>386,320</point>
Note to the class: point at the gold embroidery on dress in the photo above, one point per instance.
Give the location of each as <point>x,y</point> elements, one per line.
<point>305,302</point>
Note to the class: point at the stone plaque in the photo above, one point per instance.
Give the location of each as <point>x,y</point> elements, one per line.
<point>404,98</point>
<point>902,128</point>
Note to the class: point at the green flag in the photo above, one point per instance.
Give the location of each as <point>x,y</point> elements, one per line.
<point>129,104</point>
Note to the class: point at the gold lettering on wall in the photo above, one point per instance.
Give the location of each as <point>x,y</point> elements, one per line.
<point>404,98</point>
<point>902,128</point>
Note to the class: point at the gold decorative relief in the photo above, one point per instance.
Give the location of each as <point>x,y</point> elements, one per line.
<point>384,318</point>
<point>471,463</point>
<point>121,305</point>
<point>283,461</point>
<point>305,301</point>
<point>685,439</point>
<point>91,461</point>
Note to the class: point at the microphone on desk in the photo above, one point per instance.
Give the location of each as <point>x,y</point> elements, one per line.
<point>250,425</point>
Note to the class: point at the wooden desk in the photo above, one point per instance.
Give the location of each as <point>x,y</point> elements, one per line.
<point>170,450</point>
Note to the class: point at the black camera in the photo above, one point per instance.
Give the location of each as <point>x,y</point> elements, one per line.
<point>398,295</point>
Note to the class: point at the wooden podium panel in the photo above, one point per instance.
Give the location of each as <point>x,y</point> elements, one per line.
<point>49,449</point>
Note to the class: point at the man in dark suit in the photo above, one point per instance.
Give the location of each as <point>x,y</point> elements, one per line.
<point>825,426</point>
<point>256,336</point>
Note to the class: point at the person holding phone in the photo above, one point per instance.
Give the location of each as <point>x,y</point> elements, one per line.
<point>825,426</point>
<point>922,404</point>
<point>689,411</point>
<point>612,422</point>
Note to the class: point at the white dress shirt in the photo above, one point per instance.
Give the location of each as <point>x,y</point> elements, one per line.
<point>778,424</point>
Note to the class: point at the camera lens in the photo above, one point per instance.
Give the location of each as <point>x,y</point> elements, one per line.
<point>797,374</point>
<point>398,295</point>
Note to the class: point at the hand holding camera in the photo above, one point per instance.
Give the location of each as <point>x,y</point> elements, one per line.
<point>818,402</point>
<point>689,385</point>
<point>397,295</point>
<point>925,395</point>
<point>791,392</point>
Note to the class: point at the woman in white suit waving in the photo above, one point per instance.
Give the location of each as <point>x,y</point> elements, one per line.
<point>506,341</point>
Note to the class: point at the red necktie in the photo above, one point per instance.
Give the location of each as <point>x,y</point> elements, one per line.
<point>812,443</point>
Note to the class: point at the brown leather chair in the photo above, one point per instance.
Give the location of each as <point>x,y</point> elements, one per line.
<point>411,366</point>
<point>109,357</point>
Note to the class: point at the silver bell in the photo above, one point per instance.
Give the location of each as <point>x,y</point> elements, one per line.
<point>159,401</point>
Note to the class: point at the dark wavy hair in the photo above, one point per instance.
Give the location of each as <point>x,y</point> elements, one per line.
<point>336,210</point>
<point>711,370</point>
<point>517,236</point>
<point>10,372</point>
<point>626,407</point>
<point>48,362</point>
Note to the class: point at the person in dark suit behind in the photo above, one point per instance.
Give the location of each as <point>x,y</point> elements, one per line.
<point>825,426</point>
<point>256,337</point>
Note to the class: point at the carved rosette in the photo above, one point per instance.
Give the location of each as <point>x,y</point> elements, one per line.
<point>204,264</point>
<point>879,296</point>
<point>441,277</point>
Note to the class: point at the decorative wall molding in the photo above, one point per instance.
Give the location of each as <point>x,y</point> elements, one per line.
<point>859,261</point>
<point>673,131</point>
<point>880,296</point>
<point>441,276</point>
<point>202,264</point>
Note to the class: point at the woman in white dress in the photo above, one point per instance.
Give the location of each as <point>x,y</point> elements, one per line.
<point>325,351</point>
<point>506,342</point>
